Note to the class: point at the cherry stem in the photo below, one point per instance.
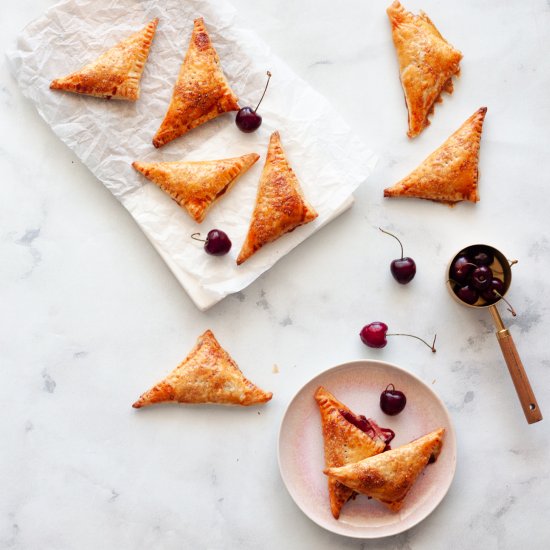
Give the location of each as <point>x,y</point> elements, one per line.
<point>393,387</point>
<point>510,308</point>
<point>193,236</point>
<point>392,235</point>
<point>510,263</point>
<point>432,347</point>
<point>265,90</point>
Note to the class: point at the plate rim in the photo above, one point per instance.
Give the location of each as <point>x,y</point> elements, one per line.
<point>451,434</point>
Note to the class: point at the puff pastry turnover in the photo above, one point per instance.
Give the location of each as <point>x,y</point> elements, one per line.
<point>280,203</point>
<point>344,444</point>
<point>207,375</point>
<point>116,73</point>
<point>196,185</point>
<point>389,476</point>
<point>427,63</point>
<point>450,173</point>
<point>201,91</point>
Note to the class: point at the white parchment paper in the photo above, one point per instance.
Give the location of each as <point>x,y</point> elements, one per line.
<point>329,160</point>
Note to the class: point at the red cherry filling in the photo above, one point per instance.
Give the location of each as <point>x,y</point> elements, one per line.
<point>370,427</point>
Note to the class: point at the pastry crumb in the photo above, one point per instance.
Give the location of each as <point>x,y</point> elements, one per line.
<point>433,381</point>
<point>275,369</point>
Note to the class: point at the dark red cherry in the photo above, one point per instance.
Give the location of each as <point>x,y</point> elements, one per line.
<point>217,242</point>
<point>483,257</point>
<point>461,269</point>
<point>373,335</point>
<point>481,277</point>
<point>392,401</point>
<point>494,292</point>
<point>467,293</point>
<point>248,120</point>
<point>402,269</point>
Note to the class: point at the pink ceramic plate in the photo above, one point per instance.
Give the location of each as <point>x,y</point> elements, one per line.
<point>358,384</point>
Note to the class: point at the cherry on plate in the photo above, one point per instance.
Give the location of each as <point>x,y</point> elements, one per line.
<point>392,401</point>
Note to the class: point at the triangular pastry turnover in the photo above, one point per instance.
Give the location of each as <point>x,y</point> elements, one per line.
<point>450,173</point>
<point>427,63</point>
<point>201,91</point>
<point>196,185</point>
<point>344,444</point>
<point>389,476</point>
<point>206,375</point>
<point>116,73</point>
<point>280,203</point>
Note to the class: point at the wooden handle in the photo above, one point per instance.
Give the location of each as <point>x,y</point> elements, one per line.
<point>519,377</point>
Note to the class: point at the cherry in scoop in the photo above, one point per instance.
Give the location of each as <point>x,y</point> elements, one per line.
<point>473,278</point>
<point>248,120</point>
<point>481,277</point>
<point>483,257</point>
<point>468,294</point>
<point>494,292</point>
<point>403,269</point>
<point>461,269</point>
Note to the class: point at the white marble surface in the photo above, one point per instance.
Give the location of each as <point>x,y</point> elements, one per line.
<point>90,315</point>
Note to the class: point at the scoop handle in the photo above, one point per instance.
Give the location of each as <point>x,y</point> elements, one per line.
<point>519,377</point>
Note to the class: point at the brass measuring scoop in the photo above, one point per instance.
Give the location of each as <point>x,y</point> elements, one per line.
<point>502,268</point>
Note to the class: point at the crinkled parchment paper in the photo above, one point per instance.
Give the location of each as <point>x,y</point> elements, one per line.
<point>329,160</point>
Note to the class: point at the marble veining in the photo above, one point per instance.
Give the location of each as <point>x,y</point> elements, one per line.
<point>90,315</point>
<point>49,382</point>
